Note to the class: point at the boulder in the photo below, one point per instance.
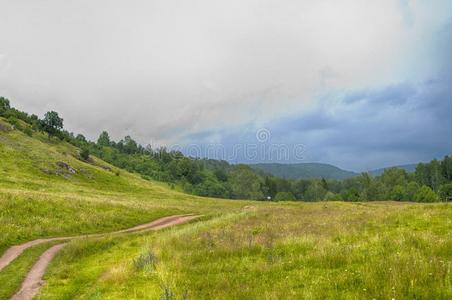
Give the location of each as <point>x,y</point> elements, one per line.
<point>66,167</point>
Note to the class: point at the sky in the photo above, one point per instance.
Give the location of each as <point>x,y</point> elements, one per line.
<point>358,84</point>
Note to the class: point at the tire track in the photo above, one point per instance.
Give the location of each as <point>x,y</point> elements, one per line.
<point>33,281</point>
<point>13,252</point>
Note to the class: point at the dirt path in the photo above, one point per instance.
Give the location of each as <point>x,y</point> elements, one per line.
<point>33,282</point>
<point>14,251</point>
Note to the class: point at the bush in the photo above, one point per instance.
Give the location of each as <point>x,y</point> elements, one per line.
<point>284,196</point>
<point>351,194</point>
<point>330,196</point>
<point>445,191</point>
<point>145,177</point>
<point>145,262</point>
<point>411,190</point>
<point>187,187</point>
<point>397,193</point>
<point>425,194</point>
<point>84,154</point>
<point>13,121</point>
<point>28,131</point>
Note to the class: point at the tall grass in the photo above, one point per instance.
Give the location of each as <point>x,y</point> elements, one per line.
<point>311,251</point>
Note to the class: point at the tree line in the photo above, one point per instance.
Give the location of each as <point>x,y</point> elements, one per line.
<point>430,182</point>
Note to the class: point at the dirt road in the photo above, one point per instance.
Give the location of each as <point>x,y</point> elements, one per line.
<point>33,281</point>
<point>15,251</point>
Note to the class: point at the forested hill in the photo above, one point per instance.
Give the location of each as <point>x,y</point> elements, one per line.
<point>410,168</point>
<point>318,170</point>
<point>304,170</point>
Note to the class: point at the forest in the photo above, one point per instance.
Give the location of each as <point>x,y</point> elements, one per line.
<point>431,182</point>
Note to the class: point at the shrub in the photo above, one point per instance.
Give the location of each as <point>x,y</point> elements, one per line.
<point>284,196</point>
<point>145,177</point>
<point>397,193</point>
<point>350,194</point>
<point>411,190</point>
<point>145,262</point>
<point>445,191</point>
<point>13,121</point>
<point>425,194</point>
<point>84,154</point>
<point>330,196</point>
<point>28,131</point>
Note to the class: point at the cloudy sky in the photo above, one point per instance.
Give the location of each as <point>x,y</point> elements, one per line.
<point>360,84</point>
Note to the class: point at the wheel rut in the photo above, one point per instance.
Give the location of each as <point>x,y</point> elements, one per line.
<point>33,281</point>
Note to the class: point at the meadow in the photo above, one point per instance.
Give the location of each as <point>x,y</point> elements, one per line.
<point>237,250</point>
<point>284,251</point>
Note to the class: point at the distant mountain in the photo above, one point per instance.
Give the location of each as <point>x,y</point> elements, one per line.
<point>409,168</point>
<point>303,170</point>
<point>317,170</point>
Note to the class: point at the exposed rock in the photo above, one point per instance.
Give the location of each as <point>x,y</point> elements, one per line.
<point>66,167</point>
<point>5,128</point>
<point>106,168</point>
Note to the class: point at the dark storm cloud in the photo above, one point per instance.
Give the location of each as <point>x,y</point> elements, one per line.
<point>367,128</point>
<point>369,132</point>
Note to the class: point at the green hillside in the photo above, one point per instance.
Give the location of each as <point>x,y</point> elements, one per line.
<point>44,181</point>
<point>237,250</point>
<point>304,170</point>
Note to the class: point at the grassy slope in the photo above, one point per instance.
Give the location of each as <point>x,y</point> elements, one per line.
<point>39,199</point>
<point>246,250</point>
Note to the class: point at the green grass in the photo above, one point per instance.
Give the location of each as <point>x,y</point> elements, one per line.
<point>311,251</point>
<point>85,269</point>
<point>28,217</point>
<point>39,199</point>
<point>238,250</point>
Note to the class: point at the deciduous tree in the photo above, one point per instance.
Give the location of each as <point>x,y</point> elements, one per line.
<point>52,123</point>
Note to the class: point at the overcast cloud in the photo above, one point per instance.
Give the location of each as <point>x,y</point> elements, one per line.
<point>325,73</point>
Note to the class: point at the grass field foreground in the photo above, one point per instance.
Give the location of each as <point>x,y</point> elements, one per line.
<point>302,251</point>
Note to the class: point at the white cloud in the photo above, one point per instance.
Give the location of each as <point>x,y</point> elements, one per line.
<point>159,70</point>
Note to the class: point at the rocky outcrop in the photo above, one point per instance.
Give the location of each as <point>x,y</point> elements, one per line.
<point>66,167</point>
